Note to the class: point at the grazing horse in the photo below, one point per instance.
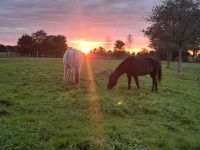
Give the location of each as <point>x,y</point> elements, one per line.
<point>73,60</point>
<point>134,67</point>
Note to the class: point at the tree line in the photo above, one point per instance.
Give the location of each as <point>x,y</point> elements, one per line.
<point>8,48</point>
<point>41,45</point>
<point>120,51</point>
<point>38,44</point>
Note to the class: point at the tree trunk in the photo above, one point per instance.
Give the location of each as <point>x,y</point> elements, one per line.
<point>179,65</point>
<point>169,57</point>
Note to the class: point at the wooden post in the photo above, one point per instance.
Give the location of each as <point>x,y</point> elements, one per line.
<point>37,54</point>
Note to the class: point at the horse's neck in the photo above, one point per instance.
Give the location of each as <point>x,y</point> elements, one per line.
<point>119,71</point>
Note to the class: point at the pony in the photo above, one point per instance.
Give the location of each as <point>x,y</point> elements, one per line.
<point>73,60</point>
<point>134,67</point>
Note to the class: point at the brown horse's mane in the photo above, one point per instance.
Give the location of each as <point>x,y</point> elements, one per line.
<point>119,70</point>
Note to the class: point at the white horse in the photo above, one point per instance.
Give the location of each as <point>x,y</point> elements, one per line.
<point>73,60</point>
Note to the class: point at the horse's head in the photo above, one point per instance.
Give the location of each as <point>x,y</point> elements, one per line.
<point>112,81</point>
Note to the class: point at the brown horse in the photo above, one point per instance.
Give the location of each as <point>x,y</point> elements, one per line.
<point>134,67</point>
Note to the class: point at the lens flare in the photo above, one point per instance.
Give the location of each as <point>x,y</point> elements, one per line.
<point>120,102</point>
<point>95,106</point>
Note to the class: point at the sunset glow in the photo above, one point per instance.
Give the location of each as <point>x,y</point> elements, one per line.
<point>86,46</point>
<point>134,49</point>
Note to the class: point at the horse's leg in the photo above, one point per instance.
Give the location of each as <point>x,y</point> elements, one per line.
<point>156,83</point>
<point>153,84</point>
<point>153,81</point>
<point>129,81</point>
<point>73,76</point>
<point>65,73</point>
<point>136,81</point>
<point>75,79</point>
<point>154,76</point>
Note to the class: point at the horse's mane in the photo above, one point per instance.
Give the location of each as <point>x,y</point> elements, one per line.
<point>120,66</point>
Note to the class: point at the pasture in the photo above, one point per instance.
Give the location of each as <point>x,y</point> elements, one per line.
<point>40,111</point>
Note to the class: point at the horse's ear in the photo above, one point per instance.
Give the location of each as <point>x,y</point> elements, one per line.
<point>108,73</point>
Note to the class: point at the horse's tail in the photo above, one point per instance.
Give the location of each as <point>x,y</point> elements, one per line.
<point>77,74</point>
<point>160,72</point>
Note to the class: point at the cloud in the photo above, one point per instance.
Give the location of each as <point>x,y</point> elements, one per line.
<point>88,19</point>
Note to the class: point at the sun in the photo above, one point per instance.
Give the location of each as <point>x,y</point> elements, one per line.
<point>85,46</point>
<point>86,50</point>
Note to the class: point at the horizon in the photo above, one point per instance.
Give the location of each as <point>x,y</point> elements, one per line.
<point>90,21</point>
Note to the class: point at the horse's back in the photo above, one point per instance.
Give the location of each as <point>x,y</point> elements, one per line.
<point>67,57</point>
<point>141,65</point>
<point>73,59</point>
<point>79,58</point>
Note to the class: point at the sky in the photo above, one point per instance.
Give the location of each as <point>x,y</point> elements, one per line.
<point>78,20</point>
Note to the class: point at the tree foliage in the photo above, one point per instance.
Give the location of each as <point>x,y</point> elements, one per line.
<point>174,25</point>
<point>119,45</point>
<point>41,44</point>
<point>119,49</point>
<point>25,44</point>
<point>2,48</point>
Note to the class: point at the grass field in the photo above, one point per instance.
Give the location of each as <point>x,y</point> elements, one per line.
<point>40,111</point>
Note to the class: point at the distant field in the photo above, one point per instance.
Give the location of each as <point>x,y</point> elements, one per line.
<point>40,111</point>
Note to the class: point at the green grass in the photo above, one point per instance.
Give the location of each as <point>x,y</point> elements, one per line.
<point>40,111</point>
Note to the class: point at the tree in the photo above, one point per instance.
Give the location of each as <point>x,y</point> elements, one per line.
<point>11,49</point>
<point>119,45</point>
<point>129,41</point>
<point>143,52</point>
<point>55,45</point>
<point>61,45</point>
<point>99,51</point>
<point>2,48</point>
<point>39,39</point>
<point>41,44</point>
<point>24,45</point>
<point>160,41</point>
<point>177,22</point>
<point>109,53</point>
<point>119,49</point>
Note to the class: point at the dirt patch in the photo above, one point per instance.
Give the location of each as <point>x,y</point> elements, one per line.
<point>4,113</point>
<point>5,103</point>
